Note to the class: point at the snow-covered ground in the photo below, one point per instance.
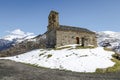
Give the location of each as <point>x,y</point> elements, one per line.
<point>78,60</point>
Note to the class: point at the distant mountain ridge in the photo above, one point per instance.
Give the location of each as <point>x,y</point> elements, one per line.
<point>19,42</point>
<point>109,39</point>
<point>5,44</point>
<point>14,37</point>
<point>19,35</point>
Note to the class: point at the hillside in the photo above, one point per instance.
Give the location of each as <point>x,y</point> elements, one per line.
<point>110,40</point>
<point>18,42</point>
<point>73,59</point>
<point>24,46</point>
<point>67,57</point>
<point>14,37</point>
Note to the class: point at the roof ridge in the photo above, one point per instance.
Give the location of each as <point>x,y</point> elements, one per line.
<point>65,27</point>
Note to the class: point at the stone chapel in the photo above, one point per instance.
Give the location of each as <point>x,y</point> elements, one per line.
<point>59,35</point>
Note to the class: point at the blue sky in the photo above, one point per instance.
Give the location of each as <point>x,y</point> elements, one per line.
<point>32,15</point>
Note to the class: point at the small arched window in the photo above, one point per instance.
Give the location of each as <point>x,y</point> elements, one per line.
<point>53,18</point>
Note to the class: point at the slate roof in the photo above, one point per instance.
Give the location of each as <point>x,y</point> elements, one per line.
<point>71,28</point>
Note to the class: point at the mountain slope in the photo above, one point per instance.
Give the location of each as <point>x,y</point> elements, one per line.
<point>21,43</point>
<point>14,37</point>
<point>18,35</point>
<point>5,44</point>
<point>110,40</point>
<point>25,46</point>
<point>78,60</point>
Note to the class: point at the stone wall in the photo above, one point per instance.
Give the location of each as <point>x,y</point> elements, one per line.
<point>69,37</point>
<point>53,20</point>
<point>51,39</point>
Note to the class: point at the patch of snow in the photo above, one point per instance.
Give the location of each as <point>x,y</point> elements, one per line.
<point>70,45</point>
<point>32,40</point>
<point>78,60</point>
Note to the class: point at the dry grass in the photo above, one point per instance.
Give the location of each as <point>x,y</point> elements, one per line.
<point>49,55</point>
<point>84,47</point>
<point>107,49</point>
<point>62,48</point>
<point>114,68</point>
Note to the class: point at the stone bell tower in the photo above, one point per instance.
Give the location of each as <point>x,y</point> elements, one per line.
<point>53,20</point>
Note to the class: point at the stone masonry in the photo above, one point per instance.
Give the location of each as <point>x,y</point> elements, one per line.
<point>60,35</point>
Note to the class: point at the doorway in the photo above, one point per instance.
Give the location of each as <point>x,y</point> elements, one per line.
<point>83,41</point>
<point>77,40</point>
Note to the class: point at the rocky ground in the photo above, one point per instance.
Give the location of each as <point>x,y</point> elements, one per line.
<point>10,70</point>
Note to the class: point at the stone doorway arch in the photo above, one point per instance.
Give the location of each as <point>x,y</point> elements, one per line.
<point>77,40</point>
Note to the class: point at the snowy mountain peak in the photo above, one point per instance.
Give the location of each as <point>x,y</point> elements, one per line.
<point>111,34</point>
<point>109,39</point>
<point>14,37</point>
<point>108,32</point>
<point>18,34</point>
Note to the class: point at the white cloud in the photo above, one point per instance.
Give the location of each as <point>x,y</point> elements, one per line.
<point>18,34</point>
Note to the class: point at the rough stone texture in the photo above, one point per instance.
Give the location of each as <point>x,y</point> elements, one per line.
<point>60,35</point>
<point>70,37</point>
<point>53,22</point>
<point>51,38</point>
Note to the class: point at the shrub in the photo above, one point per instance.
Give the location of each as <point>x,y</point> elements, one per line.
<point>42,54</point>
<point>117,56</point>
<point>49,55</point>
